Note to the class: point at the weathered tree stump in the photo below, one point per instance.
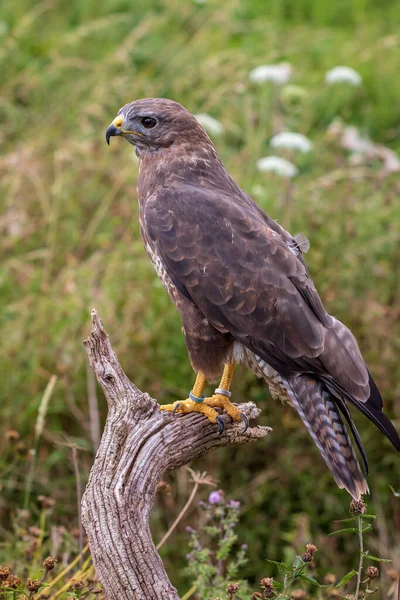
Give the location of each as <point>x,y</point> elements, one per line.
<point>138,445</point>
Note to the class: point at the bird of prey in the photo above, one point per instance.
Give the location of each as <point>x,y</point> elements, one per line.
<point>243,291</point>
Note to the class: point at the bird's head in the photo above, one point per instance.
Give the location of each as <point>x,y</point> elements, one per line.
<point>154,123</point>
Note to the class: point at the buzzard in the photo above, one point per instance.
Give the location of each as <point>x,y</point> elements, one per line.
<point>243,291</point>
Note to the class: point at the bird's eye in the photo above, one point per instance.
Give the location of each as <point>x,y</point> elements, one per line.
<point>148,122</point>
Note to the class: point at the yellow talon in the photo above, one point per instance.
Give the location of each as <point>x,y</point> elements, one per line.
<point>220,401</point>
<point>207,406</point>
<point>189,406</point>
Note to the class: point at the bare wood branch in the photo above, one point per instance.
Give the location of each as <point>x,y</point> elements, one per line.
<point>94,414</point>
<point>138,445</point>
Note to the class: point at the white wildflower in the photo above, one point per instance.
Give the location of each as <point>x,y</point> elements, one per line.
<point>277,165</point>
<point>211,125</point>
<point>279,74</point>
<point>291,141</point>
<point>343,75</point>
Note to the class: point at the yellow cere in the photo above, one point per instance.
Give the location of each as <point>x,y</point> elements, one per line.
<point>118,121</point>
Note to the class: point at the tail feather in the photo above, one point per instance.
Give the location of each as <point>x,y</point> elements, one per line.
<point>372,408</point>
<point>321,416</point>
<point>341,404</point>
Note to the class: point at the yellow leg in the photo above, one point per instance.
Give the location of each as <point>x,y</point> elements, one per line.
<point>221,400</point>
<point>199,385</point>
<point>206,406</point>
<point>189,405</point>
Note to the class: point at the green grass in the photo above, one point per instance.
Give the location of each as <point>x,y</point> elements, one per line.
<point>70,240</point>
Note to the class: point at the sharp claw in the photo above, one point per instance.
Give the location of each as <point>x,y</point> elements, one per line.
<point>246,422</point>
<point>221,424</point>
<point>175,409</point>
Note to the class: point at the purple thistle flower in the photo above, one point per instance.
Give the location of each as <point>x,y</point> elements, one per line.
<point>215,497</point>
<point>234,504</point>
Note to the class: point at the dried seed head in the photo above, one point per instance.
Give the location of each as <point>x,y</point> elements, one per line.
<point>12,581</point>
<point>372,572</point>
<point>308,555</point>
<point>35,531</point>
<point>358,507</point>
<point>23,515</point>
<point>311,549</point>
<point>76,585</point>
<point>307,558</point>
<point>256,596</point>
<point>231,590</point>
<point>33,584</point>
<point>49,563</point>
<point>164,488</point>
<point>330,579</point>
<point>4,572</point>
<point>46,502</point>
<point>268,584</point>
<point>12,435</point>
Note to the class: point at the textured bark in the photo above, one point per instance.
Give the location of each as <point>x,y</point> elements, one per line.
<point>138,445</point>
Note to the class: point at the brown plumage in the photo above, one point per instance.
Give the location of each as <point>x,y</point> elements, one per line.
<point>241,286</point>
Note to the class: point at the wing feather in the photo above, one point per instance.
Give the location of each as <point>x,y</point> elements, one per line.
<point>243,272</point>
<point>239,271</point>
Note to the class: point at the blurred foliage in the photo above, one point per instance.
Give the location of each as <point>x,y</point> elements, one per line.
<point>69,237</point>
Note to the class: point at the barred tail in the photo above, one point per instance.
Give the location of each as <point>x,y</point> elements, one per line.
<point>320,414</point>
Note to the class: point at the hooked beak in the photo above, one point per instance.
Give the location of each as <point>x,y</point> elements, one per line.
<point>114,128</point>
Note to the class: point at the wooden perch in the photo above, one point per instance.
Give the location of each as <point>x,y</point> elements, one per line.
<point>139,444</point>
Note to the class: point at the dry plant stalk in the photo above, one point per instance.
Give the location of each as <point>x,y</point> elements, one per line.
<point>139,444</point>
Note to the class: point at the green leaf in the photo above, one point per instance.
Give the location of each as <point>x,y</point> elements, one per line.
<point>278,585</point>
<point>346,520</point>
<point>373,517</point>
<point>311,580</point>
<point>367,528</point>
<point>397,494</point>
<point>385,560</point>
<point>346,578</point>
<point>350,529</point>
<point>282,567</point>
<point>298,562</point>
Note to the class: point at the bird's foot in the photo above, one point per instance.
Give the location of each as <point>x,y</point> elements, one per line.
<point>222,401</point>
<point>190,406</point>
